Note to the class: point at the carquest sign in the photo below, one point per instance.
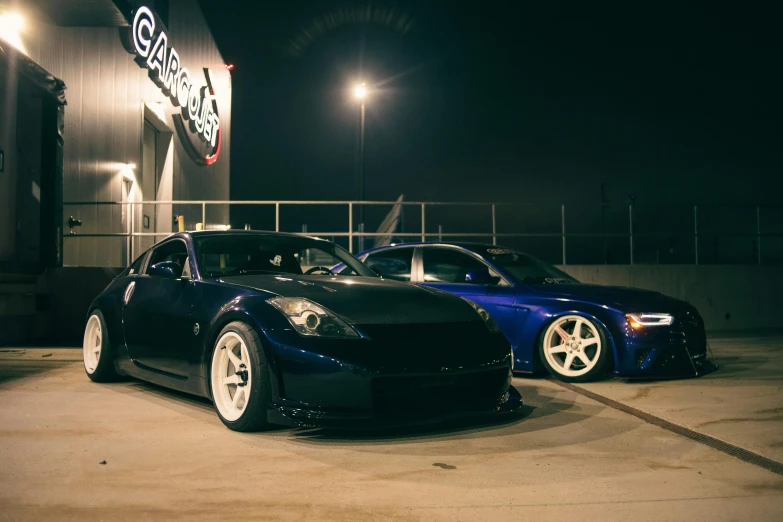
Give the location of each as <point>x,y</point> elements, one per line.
<point>198,105</point>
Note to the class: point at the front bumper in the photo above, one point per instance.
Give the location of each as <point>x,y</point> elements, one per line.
<point>675,351</point>
<point>398,376</point>
<point>505,406</point>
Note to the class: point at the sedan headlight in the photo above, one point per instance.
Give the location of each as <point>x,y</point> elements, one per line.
<point>641,320</point>
<point>311,319</point>
<point>491,324</point>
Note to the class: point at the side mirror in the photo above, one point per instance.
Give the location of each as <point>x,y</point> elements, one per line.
<point>481,277</point>
<point>165,269</point>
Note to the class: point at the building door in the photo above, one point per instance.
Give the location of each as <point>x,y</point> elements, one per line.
<point>147,188</point>
<point>28,181</point>
<point>126,214</point>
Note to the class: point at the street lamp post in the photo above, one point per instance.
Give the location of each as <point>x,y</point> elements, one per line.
<point>360,92</point>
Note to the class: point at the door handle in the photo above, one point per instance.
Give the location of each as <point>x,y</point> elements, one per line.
<point>129,291</point>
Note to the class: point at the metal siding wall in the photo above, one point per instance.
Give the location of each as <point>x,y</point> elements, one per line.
<point>191,37</point>
<point>106,91</point>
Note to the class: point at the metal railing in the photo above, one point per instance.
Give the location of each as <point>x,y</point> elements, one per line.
<point>355,231</point>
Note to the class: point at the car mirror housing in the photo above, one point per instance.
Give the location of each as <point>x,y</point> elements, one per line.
<point>481,277</point>
<point>165,269</point>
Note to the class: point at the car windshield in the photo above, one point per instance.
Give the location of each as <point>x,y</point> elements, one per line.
<point>236,254</point>
<point>525,268</point>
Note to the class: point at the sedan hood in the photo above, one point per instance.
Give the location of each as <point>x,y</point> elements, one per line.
<point>624,298</point>
<point>365,300</point>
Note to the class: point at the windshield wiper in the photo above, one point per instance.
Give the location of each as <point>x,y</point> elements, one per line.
<point>542,280</point>
<point>243,271</point>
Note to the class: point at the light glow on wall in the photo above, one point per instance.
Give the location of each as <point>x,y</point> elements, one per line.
<point>126,170</point>
<point>11,27</point>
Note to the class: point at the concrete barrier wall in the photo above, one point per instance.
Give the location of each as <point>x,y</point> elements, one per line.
<point>729,297</point>
<point>744,297</point>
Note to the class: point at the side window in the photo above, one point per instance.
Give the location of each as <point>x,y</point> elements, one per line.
<point>173,252</point>
<point>135,268</point>
<point>447,265</point>
<point>392,264</point>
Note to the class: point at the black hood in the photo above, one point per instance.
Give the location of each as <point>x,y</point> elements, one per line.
<point>365,300</point>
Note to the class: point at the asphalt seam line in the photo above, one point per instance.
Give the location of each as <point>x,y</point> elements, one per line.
<point>729,449</point>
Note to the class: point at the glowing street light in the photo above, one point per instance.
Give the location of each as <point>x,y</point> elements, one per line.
<point>360,93</point>
<point>11,27</point>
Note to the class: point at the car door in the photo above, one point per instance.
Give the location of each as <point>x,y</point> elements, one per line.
<point>158,313</point>
<point>392,263</point>
<point>447,268</point>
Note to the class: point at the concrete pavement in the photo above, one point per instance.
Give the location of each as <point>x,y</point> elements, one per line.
<point>741,403</point>
<point>167,456</point>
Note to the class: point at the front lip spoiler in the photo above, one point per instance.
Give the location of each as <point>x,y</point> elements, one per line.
<point>698,369</point>
<point>302,418</point>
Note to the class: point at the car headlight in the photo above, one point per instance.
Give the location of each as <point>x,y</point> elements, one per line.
<point>311,319</point>
<point>491,324</point>
<point>641,320</point>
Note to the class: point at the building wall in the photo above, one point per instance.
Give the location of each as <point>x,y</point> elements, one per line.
<point>8,88</point>
<point>729,297</point>
<point>106,92</point>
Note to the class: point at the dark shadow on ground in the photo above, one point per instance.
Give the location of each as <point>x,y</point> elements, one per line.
<point>13,369</point>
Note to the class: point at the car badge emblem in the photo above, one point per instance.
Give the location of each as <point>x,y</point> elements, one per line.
<point>276,260</point>
<point>196,329</point>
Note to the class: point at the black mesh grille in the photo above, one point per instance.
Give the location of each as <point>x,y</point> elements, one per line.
<point>693,329</point>
<point>641,355</point>
<point>422,394</point>
<point>406,333</point>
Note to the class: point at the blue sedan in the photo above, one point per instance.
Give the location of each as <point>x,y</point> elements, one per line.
<point>577,332</point>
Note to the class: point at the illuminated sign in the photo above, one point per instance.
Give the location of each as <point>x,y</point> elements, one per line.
<point>199,107</point>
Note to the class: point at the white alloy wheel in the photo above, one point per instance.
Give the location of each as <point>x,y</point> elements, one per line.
<point>572,346</point>
<point>231,376</point>
<point>93,341</point>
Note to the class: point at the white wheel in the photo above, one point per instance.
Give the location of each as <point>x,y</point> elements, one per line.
<point>231,376</point>
<point>573,349</point>
<point>97,350</point>
<point>93,342</point>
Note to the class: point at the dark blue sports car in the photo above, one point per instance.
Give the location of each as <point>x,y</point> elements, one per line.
<point>578,332</point>
<point>259,323</point>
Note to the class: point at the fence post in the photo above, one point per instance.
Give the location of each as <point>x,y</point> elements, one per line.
<point>494,227</point>
<point>350,228</point>
<point>630,229</point>
<point>440,233</point>
<point>696,232</point>
<point>277,217</point>
<point>361,237</point>
<point>203,216</point>
<point>423,233</point>
<point>563,230</point>
<point>758,232</point>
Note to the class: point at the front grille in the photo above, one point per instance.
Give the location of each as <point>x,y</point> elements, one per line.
<point>641,356</point>
<point>433,348</point>
<point>693,331</point>
<point>446,392</point>
<point>406,333</point>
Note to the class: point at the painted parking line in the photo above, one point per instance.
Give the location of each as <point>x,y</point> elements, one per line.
<point>729,449</point>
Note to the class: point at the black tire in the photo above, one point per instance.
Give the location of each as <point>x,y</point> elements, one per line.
<point>254,416</point>
<point>602,365</point>
<point>104,370</point>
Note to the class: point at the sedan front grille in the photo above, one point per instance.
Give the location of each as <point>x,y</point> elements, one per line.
<point>692,327</point>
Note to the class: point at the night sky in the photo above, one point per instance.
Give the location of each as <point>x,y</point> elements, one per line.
<point>507,100</point>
